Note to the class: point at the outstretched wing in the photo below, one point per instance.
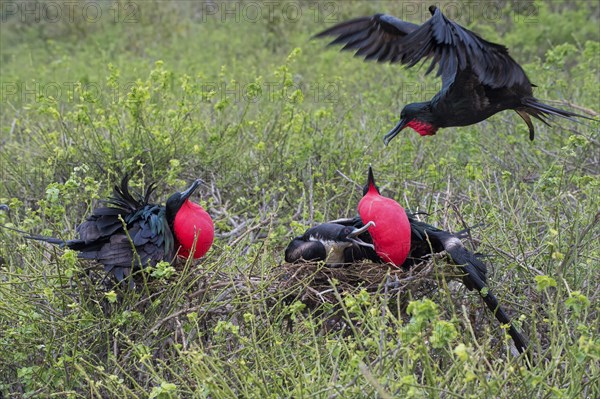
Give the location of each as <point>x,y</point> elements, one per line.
<point>375,38</point>
<point>447,44</point>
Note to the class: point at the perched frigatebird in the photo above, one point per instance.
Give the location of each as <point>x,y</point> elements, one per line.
<point>402,240</point>
<point>131,233</point>
<point>388,235</point>
<point>333,243</point>
<point>479,78</point>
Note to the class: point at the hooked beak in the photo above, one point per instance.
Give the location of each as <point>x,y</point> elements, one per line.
<point>358,232</point>
<point>187,193</point>
<point>397,129</point>
<point>370,183</point>
<point>370,177</point>
<point>354,235</point>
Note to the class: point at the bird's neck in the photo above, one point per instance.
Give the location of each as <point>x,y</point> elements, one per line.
<point>372,191</point>
<point>422,127</point>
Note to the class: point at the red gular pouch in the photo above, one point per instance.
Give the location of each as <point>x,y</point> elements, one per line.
<point>391,233</point>
<point>194,230</point>
<point>192,226</point>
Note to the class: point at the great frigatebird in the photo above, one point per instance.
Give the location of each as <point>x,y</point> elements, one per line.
<point>333,243</point>
<point>131,233</point>
<point>404,241</point>
<point>479,78</point>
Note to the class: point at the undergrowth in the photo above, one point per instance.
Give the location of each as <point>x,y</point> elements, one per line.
<point>283,129</point>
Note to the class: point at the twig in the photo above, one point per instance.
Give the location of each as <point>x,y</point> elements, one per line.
<point>358,186</point>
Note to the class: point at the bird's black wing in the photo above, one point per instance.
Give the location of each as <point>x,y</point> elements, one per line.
<point>302,250</point>
<point>376,38</point>
<point>475,271</point>
<point>427,239</point>
<point>123,208</point>
<point>449,46</point>
<point>128,234</point>
<point>146,240</point>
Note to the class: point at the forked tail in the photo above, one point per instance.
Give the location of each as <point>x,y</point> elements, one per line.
<point>541,111</point>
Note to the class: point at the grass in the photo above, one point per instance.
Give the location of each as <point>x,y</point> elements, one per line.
<point>283,128</point>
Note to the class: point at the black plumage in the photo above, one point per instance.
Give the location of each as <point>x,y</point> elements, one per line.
<point>425,240</point>
<point>479,78</point>
<point>129,233</point>
<point>332,243</point>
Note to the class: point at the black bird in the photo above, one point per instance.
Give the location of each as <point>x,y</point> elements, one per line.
<point>131,233</point>
<point>479,78</point>
<point>425,240</point>
<point>332,243</point>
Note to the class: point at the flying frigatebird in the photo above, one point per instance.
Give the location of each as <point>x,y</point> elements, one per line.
<point>479,78</point>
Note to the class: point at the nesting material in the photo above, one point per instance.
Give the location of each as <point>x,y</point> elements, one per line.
<point>317,283</point>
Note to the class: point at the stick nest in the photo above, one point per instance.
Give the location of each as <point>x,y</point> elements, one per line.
<point>315,283</point>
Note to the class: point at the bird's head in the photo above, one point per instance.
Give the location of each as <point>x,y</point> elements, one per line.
<point>348,235</point>
<point>328,242</point>
<point>176,201</point>
<point>418,117</point>
<point>370,186</point>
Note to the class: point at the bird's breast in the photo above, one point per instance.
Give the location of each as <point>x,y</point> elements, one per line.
<point>334,249</point>
<point>194,230</point>
<point>391,233</point>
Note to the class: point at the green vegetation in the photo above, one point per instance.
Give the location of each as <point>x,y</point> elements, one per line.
<point>171,91</point>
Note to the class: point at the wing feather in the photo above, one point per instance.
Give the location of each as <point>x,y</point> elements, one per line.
<point>102,237</point>
<point>451,47</point>
<point>299,250</point>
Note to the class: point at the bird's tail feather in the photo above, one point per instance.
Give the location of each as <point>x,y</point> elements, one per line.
<point>475,278</point>
<point>51,240</point>
<point>542,110</point>
<point>492,303</point>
